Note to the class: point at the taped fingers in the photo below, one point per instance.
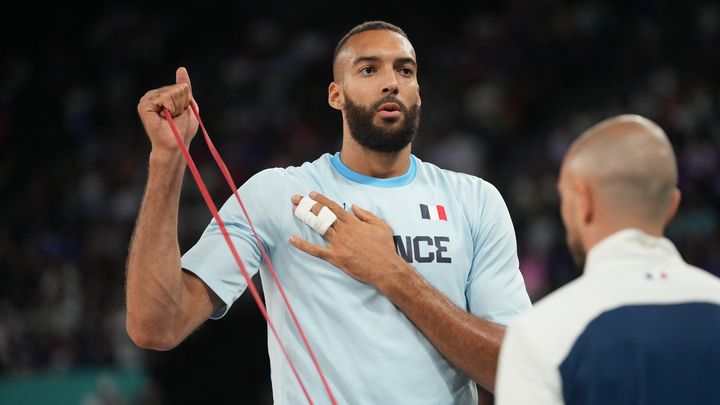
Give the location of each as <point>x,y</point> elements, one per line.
<point>302,211</point>
<point>320,222</point>
<point>325,218</point>
<point>341,214</point>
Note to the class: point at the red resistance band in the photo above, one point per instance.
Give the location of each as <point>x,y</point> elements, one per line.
<point>236,256</point>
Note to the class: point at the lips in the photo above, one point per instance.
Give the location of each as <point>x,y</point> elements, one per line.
<point>389,110</point>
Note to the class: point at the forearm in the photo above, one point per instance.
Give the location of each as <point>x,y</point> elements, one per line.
<point>154,276</point>
<point>472,344</point>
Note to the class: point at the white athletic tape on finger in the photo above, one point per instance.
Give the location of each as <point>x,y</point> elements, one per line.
<point>325,220</point>
<point>303,208</point>
<point>318,223</point>
<point>302,212</point>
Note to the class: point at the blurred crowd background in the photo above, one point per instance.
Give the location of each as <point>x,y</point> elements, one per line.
<point>506,87</point>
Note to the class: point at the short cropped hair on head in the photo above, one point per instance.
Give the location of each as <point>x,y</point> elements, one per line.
<point>366,26</point>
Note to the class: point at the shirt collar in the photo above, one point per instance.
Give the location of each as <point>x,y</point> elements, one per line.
<point>356,177</point>
<point>629,246</point>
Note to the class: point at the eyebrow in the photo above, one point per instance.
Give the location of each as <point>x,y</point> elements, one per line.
<point>397,62</point>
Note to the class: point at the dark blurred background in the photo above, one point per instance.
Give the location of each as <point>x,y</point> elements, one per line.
<point>506,87</point>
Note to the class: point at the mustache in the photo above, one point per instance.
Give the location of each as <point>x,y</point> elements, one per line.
<point>390,99</point>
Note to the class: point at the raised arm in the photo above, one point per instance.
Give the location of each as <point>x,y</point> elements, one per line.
<point>164,303</point>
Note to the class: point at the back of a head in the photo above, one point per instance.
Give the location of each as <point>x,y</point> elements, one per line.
<point>366,26</point>
<point>631,163</point>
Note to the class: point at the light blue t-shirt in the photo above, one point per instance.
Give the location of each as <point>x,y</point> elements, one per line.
<point>453,228</point>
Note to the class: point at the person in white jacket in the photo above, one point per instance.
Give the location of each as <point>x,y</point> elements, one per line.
<point>640,326</point>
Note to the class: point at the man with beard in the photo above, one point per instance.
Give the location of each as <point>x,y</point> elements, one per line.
<point>453,229</point>
<point>640,326</point>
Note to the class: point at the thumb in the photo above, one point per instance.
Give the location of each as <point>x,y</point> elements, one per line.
<point>365,216</point>
<point>181,76</point>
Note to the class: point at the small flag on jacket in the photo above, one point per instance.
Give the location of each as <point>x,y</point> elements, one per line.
<point>433,212</point>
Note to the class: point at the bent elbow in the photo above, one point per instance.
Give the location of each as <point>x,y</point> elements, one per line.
<point>150,338</point>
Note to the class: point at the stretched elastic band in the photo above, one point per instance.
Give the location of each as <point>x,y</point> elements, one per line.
<point>271,268</point>
<point>226,236</point>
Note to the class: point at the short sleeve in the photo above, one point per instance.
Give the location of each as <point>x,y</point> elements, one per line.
<point>495,290</point>
<point>264,198</point>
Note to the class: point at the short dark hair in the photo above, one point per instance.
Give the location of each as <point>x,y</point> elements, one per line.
<point>366,26</point>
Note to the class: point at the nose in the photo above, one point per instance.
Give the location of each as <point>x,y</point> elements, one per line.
<point>391,85</point>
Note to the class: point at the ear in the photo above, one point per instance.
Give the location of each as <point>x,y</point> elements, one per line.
<point>674,204</point>
<point>585,197</point>
<point>336,99</point>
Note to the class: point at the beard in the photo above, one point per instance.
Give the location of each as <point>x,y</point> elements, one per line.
<point>383,138</point>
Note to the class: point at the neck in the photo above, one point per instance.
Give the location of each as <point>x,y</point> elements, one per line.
<point>593,238</point>
<point>374,164</point>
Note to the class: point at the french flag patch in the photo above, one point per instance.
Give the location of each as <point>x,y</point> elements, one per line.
<point>433,212</point>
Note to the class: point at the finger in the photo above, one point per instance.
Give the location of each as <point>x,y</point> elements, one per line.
<point>364,215</point>
<point>336,209</point>
<point>315,209</point>
<point>309,248</point>
<point>182,76</point>
<point>336,225</point>
<point>330,233</point>
<point>146,103</point>
<point>152,101</point>
<point>177,98</point>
